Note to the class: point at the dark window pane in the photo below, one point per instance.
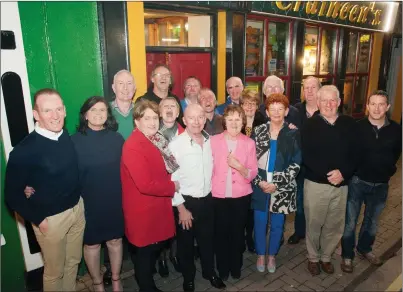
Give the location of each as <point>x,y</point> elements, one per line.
<point>15,107</point>
<point>348,92</point>
<point>7,40</point>
<point>352,51</point>
<point>277,49</point>
<point>326,51</point>
<point>254,48</point>
<point>364,57</point>
<point>360,94</point>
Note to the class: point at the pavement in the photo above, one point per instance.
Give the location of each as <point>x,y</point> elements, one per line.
<point>292,273</point>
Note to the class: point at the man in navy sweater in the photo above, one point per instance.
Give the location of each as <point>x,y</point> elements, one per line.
<point>380,148</point>
<point>46,161</point>
<point>329,152</point>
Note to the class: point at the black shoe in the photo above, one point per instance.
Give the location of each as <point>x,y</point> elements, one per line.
<point>107,277</point>
<point>175,263</point>
<point>163,268</point>
<point>216,282</point>
<point>189,286</point>
<point>236,275</point>
<point>294,239</point>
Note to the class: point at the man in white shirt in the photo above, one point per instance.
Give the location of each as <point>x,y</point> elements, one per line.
<point>192,151</point>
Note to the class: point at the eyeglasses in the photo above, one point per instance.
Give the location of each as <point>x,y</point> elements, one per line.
<point>166,75</point>
<point>249,104</point>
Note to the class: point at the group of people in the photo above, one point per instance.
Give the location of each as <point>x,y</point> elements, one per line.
<point>168,173</point>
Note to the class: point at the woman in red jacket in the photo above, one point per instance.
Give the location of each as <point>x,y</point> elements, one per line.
<point>147,191</point>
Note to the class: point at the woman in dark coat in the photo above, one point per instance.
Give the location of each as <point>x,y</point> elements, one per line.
<point>99,149</point>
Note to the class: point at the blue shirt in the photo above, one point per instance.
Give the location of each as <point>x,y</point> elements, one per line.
<point>220,109</point>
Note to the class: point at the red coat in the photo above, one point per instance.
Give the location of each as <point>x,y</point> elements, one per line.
<point>147,192</point>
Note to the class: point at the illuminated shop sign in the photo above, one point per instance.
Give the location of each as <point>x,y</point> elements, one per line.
<point>370,15</point>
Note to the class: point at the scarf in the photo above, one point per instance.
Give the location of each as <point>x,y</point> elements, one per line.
<point>161,143</point>
<point>169,133</point>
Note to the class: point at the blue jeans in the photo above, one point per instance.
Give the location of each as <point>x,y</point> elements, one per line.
<point>299,221</point>
<point>374,197</point>
<point>276,231</point>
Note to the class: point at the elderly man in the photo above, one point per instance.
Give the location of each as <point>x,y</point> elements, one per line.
<point>46,160</point>
<point>124,88</point>
<point>329,152</point>
<point>191,89</point>
<point>208,102</point>
<point>273,84</point>
<point>194,202</point>
<point>307,109</point>
<point>381,146</point>
<point>234,88</point>
<point>161,82</point>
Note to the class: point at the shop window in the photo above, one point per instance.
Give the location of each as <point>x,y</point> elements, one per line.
<point>310,50</point>
<point>254,48</point>
<point>327,52</point>
<point>174,29</point>
<point>268,44</point>
<point>356,84</point>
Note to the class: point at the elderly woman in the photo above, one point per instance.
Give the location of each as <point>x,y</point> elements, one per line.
<point>250,103</point>
<point>170,128</point>
<point>147,191</point>
<point>99,149</point>
<point>234,167</point>
<point>274,189</point>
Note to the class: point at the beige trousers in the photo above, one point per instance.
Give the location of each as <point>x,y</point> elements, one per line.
<point>325,212</point>
<point>62,246</point>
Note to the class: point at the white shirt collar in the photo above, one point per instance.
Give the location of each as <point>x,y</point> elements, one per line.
<point>47,134</point>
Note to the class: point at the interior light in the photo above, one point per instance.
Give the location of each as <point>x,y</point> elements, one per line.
<point>170,40</point>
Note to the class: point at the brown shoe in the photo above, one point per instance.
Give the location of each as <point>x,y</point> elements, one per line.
<point>313,268</point>
<point>371,257</point>
<point>346,265</point>
<point>327,267</point>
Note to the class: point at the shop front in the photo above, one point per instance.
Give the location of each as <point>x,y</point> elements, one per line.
<point>338,42</point>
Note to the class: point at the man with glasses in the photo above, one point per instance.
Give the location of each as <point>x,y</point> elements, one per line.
<point>273,84</point>
<point>234,88</point>
<point>191,89</point>
<point>161,82</point>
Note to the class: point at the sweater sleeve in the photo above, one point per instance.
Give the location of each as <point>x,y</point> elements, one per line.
<point>347,169</point>
<point>283,178</point>
<point>141,173</point>
<point>15,182</point>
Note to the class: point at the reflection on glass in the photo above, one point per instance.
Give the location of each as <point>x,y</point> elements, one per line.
<point>326,51</point>
<point>170,28</point>
<point>311,42</point>
<point>360,94</point>
<point>255,86</point>
<point>254,48</point>
<point>277,48</point>
<point>363,58</point>
<point>348,92</point>
<point>352,51</point>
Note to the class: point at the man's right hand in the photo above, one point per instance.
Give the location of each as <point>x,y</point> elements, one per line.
<point>185,217</point>
<point>43,226</point>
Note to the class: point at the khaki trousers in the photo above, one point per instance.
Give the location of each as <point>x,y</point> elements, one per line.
<point>325,212</point>
<point>61,247</point>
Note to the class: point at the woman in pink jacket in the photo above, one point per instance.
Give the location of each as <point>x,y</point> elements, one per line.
<point>234,167</point>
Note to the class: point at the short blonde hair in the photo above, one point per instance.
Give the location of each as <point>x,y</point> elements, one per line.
<point>251,96</point>
<point>141,106</point>
<point>169,98</point>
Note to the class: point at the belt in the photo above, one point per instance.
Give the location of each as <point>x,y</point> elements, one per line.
<point>196,198</point>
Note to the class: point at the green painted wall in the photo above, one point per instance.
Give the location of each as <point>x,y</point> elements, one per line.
<point>61,41</point>
<point>12,261</point>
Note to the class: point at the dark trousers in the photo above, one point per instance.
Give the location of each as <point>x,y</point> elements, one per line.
<point>230,220</point>
<point>374,197</point>
<point>144,259</point>
<point>203,230</point>
<point>250,224</point>
<point>299,221</point>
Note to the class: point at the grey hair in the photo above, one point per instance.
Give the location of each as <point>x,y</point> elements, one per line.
<point>169,98</point>
<point>273,78</point>
<point>121,71</point>
<point>329,88</point>
<point>206,89</point>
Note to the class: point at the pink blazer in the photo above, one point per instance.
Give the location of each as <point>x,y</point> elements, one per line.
<point>245,152</point>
